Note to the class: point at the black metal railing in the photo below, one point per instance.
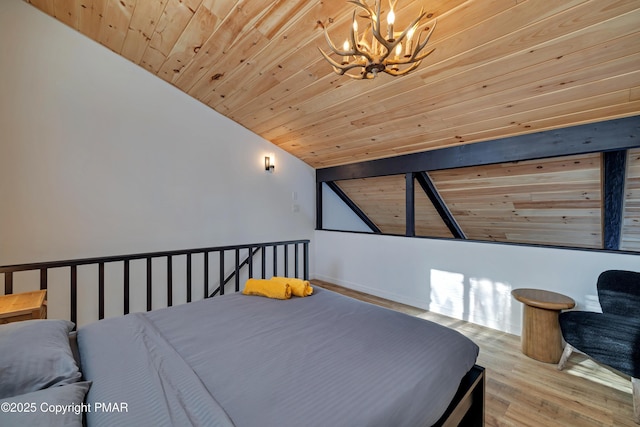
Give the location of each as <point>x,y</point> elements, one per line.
<point>296,267</point>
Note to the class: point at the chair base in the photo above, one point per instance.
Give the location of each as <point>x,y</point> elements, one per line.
<point>568,349</point>
<point>635,383</point>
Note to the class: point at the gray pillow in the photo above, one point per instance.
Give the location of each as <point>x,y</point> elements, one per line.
<point>35,355</point>
<point>39,408</point>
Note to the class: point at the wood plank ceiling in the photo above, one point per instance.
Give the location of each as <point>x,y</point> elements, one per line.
<point>500,68</point>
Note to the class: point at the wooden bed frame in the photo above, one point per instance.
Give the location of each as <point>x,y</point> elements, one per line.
<point>466,408</point>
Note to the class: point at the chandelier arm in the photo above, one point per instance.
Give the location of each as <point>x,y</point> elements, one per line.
<point>333,46</point>
<point>337,67</point>
<point>364,6</point>
<point>421,57</point>
<point>376,31</point>
<point>413,23</point>
<point>354,43</point>
<point>394,73</point>
<point>421,45</point>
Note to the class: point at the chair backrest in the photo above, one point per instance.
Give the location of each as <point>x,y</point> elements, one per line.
<point>619,292</point>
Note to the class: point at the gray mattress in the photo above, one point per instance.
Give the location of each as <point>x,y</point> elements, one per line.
<point>323,360</point>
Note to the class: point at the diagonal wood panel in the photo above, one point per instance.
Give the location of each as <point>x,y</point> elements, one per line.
<point>382,199</point>
<point>552,201</point>
<point>428,221</point>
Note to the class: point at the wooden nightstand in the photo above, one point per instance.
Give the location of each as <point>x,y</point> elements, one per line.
<point>541,335</point>
<point>24,306</point>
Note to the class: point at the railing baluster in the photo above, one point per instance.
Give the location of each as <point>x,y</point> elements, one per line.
<point>295,258</point>
<point>73,294</point>
<point>8,283</point>
<point>101,291</point>
<point>275,260</point>
<point>126,279</point>
<point>43,278</point>
<point>222,272</point>
<point>149,284</point>
<point>237,269</point>
<point>188,277</point>
<point>286,261</point>
<point>206,274</point>
<point>306,261</point>
<point>169,281</point>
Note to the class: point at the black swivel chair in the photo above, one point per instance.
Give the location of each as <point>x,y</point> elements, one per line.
<point>613,336</point>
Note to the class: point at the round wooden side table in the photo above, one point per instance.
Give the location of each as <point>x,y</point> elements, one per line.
<point>541,335</point>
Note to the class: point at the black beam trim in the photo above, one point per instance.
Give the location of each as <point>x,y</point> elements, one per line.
<point>350,203</point>
<point>318,206</point>
<point>611,135</point>
<point>613,179</point>
<point>432,193</point>
<point>410,199</point>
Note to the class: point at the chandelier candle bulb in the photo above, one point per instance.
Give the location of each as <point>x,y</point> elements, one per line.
<point>345,46</point>
<point>409,45</point>
<point>355,29</point>
<point>391,17</point>
<point>398,50</point>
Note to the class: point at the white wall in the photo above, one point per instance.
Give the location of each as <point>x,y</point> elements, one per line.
<point>336,215</point>
<point>464,280</point>
<point>99,157</point>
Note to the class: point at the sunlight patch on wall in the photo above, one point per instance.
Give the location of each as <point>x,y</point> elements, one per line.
<point>490,303</point>
<point>448,293</point>
<point>478,300</point>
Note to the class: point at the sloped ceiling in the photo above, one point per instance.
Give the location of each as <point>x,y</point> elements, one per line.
<point>500,68</point>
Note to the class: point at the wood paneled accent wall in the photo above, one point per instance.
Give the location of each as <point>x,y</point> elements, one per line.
<point>553,201</point>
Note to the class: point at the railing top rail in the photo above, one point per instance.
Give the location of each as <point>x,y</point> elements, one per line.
<point>145,255</point>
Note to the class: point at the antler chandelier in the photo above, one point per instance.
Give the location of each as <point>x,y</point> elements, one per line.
<point>369,53</point>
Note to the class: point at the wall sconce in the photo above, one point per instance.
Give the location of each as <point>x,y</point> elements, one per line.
<point>269,165</point>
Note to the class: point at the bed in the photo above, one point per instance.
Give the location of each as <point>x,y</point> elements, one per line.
<point>240,360</point>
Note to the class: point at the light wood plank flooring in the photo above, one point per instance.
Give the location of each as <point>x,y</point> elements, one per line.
<point>524,392</point>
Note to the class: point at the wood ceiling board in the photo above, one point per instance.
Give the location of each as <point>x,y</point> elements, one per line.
<point>449,92</point>
<point>341,131</point>
<point>405,132</point>
<point>172,22</point>
<point>478,45</point>
<point>143,24</point>
<point>326,102</point>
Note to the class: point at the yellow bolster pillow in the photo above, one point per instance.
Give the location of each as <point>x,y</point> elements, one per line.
<point>299,287</point>
<point>267,288</point>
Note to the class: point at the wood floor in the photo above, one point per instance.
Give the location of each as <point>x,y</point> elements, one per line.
<point>524,392</point>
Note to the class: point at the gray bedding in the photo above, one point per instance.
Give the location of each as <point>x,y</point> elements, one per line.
<point>323,360</point>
